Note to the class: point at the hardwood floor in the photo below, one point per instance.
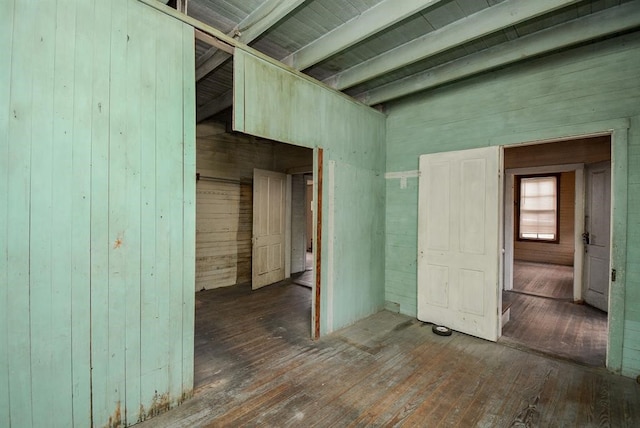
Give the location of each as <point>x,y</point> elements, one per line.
<point>540,279</point>
<point>560,328</point>
<point>235,325</point>
<point>553,324</point>
<point>256,366</point>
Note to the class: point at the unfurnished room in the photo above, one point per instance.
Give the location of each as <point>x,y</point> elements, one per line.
<point>292,213</point>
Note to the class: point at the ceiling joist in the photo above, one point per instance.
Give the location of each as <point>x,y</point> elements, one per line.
<point>257,22</point>
<point>482,23</point>
<point>212,41</point>
<point>610,21</point>
<point>370,22</point>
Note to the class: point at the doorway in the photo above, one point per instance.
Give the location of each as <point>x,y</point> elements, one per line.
<point>226,306</point>
<point>546,276</point>
<point>304,274</point>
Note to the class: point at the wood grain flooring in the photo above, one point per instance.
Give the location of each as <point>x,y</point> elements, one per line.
<point>545,319</point>
<point>557,327</point>
<point>542,279</point>
<point>256,366</point>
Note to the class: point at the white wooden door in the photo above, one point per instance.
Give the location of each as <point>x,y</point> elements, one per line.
<point>458,241</point>
<point>268,255</point>
<point>597,226</point>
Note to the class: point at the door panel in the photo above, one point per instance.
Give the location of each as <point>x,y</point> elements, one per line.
<point>268,261</point>
<point>458,241</point>
<point>597,234</point>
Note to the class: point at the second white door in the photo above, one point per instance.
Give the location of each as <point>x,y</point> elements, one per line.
<point>458,240</point>
<point>269,204</point>
<point>597,224</point>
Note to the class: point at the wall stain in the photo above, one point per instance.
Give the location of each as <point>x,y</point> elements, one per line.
<point>161,403</point>
<point>115,420</point>
<point>118,243</point>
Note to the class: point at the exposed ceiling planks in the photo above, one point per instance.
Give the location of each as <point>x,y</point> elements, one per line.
<point>248,29</point>
<point>379,50</point>
<point>607,22</point>
<point>362,26</point>
<point>482,23</point>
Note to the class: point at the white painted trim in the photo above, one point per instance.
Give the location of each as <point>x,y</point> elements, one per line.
<point>330,240</point>
<point>287,229</point>
<point>618,246</point>
<point>578,228</point>
<point>508,247</point>
<point>501,237</point>
<point>314,247</point>
<point>402,175</point>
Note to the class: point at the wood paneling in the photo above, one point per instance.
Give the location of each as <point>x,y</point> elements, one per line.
<point>279,104</point>
<point>556,96</point>
<point>585,150</point>
<point>224,213</point>
<point>556,253</point>
<point>97,224</point>
<point>257,366</point>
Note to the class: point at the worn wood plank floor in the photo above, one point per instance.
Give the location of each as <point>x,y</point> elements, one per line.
<point>256,366</point>
<point>542,279</point>
<point>553,324</point>
<point>557,327</point>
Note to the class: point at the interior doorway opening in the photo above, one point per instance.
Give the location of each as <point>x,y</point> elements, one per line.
<point>304,275</point>
<point>547,306</point>
<point>236,198</point>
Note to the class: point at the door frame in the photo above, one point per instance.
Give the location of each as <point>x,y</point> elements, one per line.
<point>578,220</point>
<point>618,130</point>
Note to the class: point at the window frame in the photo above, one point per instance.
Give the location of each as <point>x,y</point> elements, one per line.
<point>518,190</point>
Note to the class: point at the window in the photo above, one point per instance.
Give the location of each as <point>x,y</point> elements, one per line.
<point>537,213</point>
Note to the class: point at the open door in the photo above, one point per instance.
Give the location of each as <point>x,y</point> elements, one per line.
<point>458,241</point>
<point>269,204</point>
<point>597,227</point>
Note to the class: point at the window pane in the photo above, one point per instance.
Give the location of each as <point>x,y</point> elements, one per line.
<point>538,208</point>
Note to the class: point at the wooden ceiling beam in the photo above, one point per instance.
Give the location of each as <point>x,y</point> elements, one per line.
<point>256,23</point>
<point>214,42</point>
<point>479,24</point>
<point>610,21</point>
<point>368,23</point>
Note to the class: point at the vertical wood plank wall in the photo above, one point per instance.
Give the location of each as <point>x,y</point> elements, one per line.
<point>224,208</point>
<point>97,226</point>
<point>567,91</point>
<point>273,103</point>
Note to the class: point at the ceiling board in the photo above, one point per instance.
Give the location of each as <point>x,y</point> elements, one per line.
<point>315,18</point>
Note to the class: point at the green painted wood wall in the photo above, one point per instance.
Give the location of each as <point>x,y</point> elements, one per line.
<point>97,165</point>
<point>278,104</point>
<point>564,94</point>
